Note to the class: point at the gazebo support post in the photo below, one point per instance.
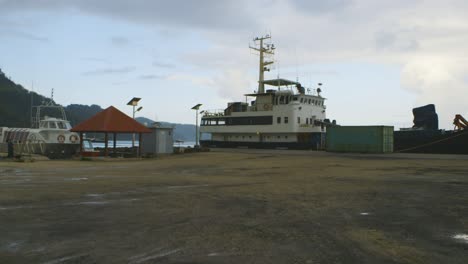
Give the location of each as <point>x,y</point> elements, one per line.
<point>139,144</point>
<point>115,144</point>
<point>81,143</point>
<point>106,143</point>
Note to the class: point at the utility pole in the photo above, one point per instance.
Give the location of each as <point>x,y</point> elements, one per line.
<point>196,108</point>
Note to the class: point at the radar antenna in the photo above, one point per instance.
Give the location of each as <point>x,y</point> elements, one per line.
<point>264,50</point>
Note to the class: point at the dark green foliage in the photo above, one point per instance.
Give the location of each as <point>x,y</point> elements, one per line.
<point>77,113</point>
<point>15,106</point>
<point>15,103</point>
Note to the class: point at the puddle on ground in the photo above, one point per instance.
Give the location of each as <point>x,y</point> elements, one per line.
<point>15,207</point>
<point>187,186</point>
<point>95,195</point>
<point>461,237</point>
<point>103,202</point>
<point>12,246</point>
<point>64,259</point>
<point>144,258</point>
<point>93,203</point>
<point>77,179</point>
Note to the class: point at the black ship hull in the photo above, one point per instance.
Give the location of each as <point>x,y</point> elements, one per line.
<point>431,141</point>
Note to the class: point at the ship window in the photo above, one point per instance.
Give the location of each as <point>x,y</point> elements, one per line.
<point>302,100</point>
<point>307,120</point>
<point>285,136</point>
<point>243,137</point>
<point>279,136</point>
<point>298,119</point>
<point>285,119</point>
<point>250,136</point>
<point>310,100</point>
<point>278,120</point>
<point>295,98</point>
<point>60,125</point>
<point>52,125</point>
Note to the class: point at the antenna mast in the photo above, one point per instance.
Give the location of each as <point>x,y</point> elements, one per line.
<point>263,48</point>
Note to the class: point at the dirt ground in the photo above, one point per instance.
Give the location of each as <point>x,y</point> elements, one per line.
<point>237,206</point>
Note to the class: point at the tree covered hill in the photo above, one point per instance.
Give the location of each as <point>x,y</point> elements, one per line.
<point>16,101</point>
<point>15,110</point>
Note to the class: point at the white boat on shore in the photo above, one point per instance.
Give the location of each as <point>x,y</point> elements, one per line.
<point>49,136</point>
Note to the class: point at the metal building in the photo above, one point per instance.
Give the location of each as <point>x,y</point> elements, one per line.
<point>159,141</point>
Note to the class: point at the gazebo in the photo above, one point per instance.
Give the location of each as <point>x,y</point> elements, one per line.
<point>110,120</point>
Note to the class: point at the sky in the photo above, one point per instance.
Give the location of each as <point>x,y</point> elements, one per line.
<point>376,59</point>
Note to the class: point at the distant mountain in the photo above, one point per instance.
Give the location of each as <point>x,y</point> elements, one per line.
<point>15,110</point>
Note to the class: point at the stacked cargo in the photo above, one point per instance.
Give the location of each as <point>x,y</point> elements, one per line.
<point>360,139</point>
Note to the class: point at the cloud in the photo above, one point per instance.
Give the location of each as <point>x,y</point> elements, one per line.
<point>22,35</point>
<point>232,84</point>
<point>163,65</point>
<point>109,71</point>
<point>386,41</point>
<point>321,7</point>
<point>198,14</point>
<point>95,59</point>
<point>152,77</point>
<point>120,41</point>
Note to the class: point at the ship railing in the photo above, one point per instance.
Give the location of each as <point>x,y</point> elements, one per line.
<point>32,146</point>
<point>213,113</point>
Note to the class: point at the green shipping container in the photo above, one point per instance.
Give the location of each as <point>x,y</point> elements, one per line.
<point>360,139</point>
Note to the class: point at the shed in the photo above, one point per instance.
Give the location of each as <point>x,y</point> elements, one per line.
<point>159,141</point>
<point>111,120</point>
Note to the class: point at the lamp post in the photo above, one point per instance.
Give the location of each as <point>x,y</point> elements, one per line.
<point>196,108</point>
<point>134,103</point>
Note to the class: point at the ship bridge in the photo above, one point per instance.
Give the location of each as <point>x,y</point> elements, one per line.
<point>275,82</point>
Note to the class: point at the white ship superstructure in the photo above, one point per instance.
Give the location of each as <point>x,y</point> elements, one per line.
<point>286,116</point>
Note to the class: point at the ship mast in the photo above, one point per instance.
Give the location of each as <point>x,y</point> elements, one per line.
<point>263,49</point>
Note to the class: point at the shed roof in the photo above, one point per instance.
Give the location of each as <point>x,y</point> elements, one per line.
<point>111,120</point>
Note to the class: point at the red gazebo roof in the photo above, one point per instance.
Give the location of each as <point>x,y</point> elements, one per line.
<point>111,120</point>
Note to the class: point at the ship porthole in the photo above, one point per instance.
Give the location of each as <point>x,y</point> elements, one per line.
<point>61,138</point>
<point>73,138</point>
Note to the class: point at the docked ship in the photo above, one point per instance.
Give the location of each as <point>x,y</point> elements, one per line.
<point>48,136</point>
<point>286,115</point>
<point>426,137</point>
